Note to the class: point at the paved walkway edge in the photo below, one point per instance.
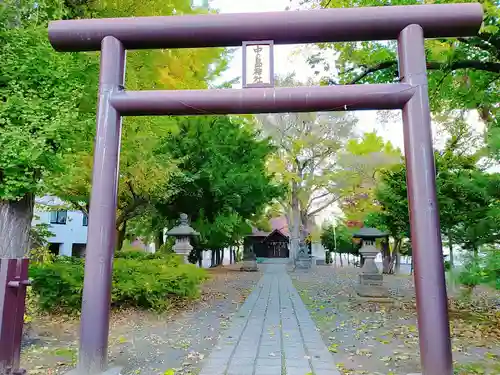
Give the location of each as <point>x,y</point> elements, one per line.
<point>272,334</point>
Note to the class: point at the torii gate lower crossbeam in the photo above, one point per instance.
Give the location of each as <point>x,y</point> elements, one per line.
<point>408,24</point>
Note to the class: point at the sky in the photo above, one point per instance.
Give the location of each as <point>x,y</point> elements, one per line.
<point>292,59</point>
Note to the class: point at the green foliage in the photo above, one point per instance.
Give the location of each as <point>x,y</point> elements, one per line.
<point>39,234</point>
<point>139,281</point>
<point>338,239</point>
<point>46,109</point>
<point>472,274</point>
<point>306,159</point>
<point>167,247</point>
<point>483,268</point>
<point>169,258</point>
<point>463,72</point>
<point>57,286</point>
<point>362,163</point>
<point>222,168</point>
<point>447,265</point>
<point>41,255</point>
<point>467,197</point>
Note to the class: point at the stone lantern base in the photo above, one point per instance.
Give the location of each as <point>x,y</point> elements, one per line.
<point>372,286</point>
<point>249,266</point>
<point>249,263</point>
<point>303,263</point>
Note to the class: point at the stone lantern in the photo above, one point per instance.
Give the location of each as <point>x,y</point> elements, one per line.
<point>182,233</point>
<point>249,260</point>
<point>371,282</point>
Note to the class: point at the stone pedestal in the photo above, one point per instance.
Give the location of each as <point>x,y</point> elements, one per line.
<point>303,262</point>
<point>371,282</point>
<point>183,248</point>
<point>249,262</point>
<point>249,266</point>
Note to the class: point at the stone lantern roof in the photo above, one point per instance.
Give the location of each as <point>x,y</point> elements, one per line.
<point>369,233</point>
<point>183,229</point>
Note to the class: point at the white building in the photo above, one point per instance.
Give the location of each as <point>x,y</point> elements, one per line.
<point>68,226</point>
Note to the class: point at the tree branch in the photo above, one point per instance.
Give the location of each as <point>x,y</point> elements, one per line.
<point>129,210</point>
<point>316,198</point>
<point>432,65</point>
<point>369,70</point>
<point>79,207</point>
<point>480,43</point>
<point>321,208</point>
<point>129,184</point>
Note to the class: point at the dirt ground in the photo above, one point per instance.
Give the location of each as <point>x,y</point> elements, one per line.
<point>373,338</point>
<point>146,343</point>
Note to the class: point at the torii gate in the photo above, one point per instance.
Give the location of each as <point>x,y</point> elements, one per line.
<point>409,25</point>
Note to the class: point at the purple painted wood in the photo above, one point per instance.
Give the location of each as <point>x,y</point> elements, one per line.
<point>409,24</point>
<point>21,282</point>
<point>224,30</point>
<point>8,297</point>
<point>430,286</point>
<point>13,282</point>
<point>102,215</point>
<point>262,100</point>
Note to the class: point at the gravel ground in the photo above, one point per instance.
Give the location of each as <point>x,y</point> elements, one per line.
<point>146,343</point>
<point>373,338</point>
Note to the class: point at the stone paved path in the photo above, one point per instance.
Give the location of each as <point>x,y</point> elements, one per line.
<point>272,334</point>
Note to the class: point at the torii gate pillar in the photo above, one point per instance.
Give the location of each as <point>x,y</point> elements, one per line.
<point>409,25</point>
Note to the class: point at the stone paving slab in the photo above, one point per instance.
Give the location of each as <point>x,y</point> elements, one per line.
<point>272,334</point>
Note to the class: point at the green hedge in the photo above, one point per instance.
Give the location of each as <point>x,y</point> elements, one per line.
<point>147,282</point>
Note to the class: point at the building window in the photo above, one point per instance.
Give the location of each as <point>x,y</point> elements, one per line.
<point>58,217</point>
<point>54,248</point>
<point>85,222</point>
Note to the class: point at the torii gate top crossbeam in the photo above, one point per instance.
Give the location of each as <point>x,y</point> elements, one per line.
<point>225,30</point>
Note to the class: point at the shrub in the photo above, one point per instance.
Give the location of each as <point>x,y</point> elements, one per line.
<point>167,247</point>
<point>58,285</point>
<point>483,268</point>
<point>149,284</point>
<point>41,255</point>
<point>145,282</point>
<point>169,258</point>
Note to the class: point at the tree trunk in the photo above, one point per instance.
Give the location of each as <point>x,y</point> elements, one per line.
<point>450,246</point>
<point>348,259</point>
<point>387,262</point>
<point>15,226</point>
<point>159,239</point>
<point>230,255</point>
<point>200,259</point>
<point>397,262</point>
<point>341,261</point>
<point>396,255</point>
<point>295,240</point>
<point>212,260</point>
<point>122,230</point>
<point>234,255</point>
<point>217,257</point>
<point>222,257</point>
